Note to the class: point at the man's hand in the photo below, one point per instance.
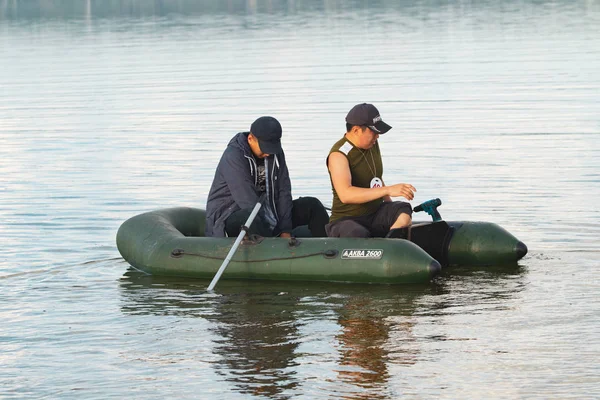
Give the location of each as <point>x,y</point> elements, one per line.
<point>285,235</point>
<point>402,189</point>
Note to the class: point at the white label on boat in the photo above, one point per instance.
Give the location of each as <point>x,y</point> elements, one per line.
<point>372,254</point>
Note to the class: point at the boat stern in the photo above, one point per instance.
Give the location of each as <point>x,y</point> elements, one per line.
<point>483,243</point>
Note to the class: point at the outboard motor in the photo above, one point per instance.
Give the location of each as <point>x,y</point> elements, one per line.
<point>433,237</point>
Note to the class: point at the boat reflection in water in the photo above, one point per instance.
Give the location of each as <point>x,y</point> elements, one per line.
<point>271,338</point>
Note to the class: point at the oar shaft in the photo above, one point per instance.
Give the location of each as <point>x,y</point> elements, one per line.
<point>233,249</point>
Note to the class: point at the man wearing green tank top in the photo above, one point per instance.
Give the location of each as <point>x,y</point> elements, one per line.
<point>362,202</point>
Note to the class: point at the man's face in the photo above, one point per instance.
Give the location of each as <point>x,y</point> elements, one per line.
<point>367,138</point>
<point>255,147</point>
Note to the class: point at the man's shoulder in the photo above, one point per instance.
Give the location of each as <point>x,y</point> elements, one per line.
<point>236,145</point>
<point>233,157</point>
<point>342,146</point>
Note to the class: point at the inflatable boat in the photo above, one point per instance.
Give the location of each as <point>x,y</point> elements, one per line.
<point>171,242</point>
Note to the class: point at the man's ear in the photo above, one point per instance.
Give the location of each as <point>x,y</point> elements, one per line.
<point>356,130</point>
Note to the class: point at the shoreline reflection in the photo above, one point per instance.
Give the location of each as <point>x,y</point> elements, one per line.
<point>259,329</point>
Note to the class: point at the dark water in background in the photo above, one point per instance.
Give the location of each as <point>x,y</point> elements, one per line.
<point>109,109</point>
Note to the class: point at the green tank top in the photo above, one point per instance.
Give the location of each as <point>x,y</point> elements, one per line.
<point>364,166</point>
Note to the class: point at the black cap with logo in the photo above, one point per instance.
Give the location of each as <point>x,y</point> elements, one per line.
<point>367,115</point>
<point>268,132</point>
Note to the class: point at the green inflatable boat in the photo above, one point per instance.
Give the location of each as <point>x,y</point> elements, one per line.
<point>171,242</point>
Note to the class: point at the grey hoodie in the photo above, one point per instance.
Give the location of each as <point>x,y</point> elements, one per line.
<point>234,188</point>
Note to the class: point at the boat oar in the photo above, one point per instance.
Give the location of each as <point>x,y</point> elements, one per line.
<point>236,244</point>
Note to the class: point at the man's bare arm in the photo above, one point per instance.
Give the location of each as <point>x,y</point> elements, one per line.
<point>348,194</point>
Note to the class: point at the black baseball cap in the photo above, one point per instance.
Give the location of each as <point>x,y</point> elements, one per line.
<point>367,115</point>
<point>268,132</point>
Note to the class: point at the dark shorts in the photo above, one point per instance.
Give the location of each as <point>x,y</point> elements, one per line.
<point>305,211</point>
<point>377,224</point>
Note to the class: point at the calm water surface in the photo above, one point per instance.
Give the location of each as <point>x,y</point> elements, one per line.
<point>110,109</point>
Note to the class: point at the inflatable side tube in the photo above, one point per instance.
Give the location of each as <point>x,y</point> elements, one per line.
<point>167,242</point>
<point>483,243</point>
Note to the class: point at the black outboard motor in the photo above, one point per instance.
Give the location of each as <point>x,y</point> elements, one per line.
<point>433,237</point>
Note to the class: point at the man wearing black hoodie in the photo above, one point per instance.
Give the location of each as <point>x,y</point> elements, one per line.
<point>253,169</point>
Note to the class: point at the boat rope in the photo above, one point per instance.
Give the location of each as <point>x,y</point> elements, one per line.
<point>176,253</point>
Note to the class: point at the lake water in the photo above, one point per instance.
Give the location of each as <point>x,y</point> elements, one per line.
<point>110,109</point>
